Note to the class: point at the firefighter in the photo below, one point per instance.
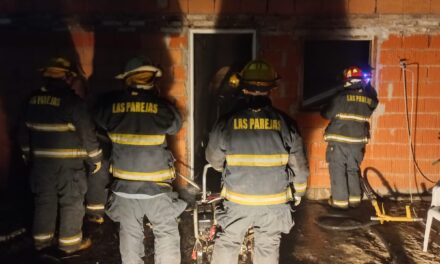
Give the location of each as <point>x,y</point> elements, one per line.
<point>96,195</point>
<point>347,134</point>
<point>61,135</point>
<point>260,153</point>
<point>137,121</point>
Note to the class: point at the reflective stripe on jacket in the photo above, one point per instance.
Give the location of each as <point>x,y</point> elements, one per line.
<point>59,125</point>
<point>349,114</point>
<point>258,148</point>
<point>137,122</point>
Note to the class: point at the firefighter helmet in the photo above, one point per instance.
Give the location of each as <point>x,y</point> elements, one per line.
<point>353,72</point>
<point>58,68</point>
<point>139,65</point>
<point>257,75</point>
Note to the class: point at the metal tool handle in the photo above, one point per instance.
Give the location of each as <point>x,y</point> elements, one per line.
<point>205,171</point>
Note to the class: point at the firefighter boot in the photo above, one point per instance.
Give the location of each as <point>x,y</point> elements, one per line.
<point>97,219</point>
<point>85,244</point>
<point>343,205</point>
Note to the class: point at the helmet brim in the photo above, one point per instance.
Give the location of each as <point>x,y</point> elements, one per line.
<point>144,68</point>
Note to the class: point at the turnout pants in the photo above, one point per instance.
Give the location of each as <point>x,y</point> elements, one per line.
<point>96,196</point>
<point>162,212</point>
<point>344,166</point>
<point>58,186</point>
<point>268,223</point>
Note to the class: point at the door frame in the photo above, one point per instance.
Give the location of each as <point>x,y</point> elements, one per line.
<point>193,32</point>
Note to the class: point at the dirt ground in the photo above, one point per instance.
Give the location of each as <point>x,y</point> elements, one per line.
<point>307,242</point>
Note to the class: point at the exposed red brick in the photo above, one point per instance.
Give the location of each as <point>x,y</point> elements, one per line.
<point>391,57</point>
<point>415,41</point>
<point>416,6</point>
<point>201,6</point>
<point>179,73</point>
<point>391,121</point>
<point>431,104</point>
<point>177,88</point>
<point>227,6</point>
<point>389,6</point>
<point>424,57</point>
<point>435,6</point>
<point>361,6</point>
<point>427,120</point>
<point>434,73</point>
<point>178,41</point>
<point>253,6</point>
<point>390,74</point>
<point>281,7</point>
<point>388,136</point>
<point>429,89</point>
<point>426,136</point>
<point>393,42</point>
<point>311,119</point>
<point>434,41</point>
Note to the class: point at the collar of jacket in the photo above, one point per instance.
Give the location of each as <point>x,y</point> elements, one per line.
<point>257,102</point>
<point>56,84</point>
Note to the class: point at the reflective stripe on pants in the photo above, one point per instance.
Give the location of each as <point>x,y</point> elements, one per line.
<point>59,187</point>
<point>344,167</point>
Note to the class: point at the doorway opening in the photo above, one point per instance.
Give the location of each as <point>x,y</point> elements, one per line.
<point>215,55</point>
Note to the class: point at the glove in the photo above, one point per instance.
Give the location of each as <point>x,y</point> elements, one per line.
<point>97,167</point>
<point>297,200</point>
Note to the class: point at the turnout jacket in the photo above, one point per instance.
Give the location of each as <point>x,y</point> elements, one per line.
<point>59,125</point>
<point>261,153</point>
<point>137,122</point>
<point>349,113</point>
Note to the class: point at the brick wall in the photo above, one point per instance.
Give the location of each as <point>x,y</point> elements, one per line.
<point>111,33</point>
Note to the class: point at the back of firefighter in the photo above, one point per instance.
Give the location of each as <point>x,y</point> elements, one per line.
<point>61,136</point>
<point>137,122</point>
<point>260,153</point>
<point>347,134</point>
<point>97,193</point>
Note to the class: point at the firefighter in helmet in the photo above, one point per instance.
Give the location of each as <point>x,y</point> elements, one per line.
<point>260,153</point>
<point>61,135</point>
<point>137,121</point>
<point>347,134</point>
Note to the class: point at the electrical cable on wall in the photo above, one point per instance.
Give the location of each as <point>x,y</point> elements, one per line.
<point>409,121</point>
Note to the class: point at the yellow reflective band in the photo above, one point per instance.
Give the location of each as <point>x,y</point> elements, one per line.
<point>340,203</point>
<point>65,127</point>
<point>60,153</point>
<point>354,198</point>
<point>43,237</point>
<point>249,199</point>
<point>137,140</point>
<point>67,241</point>
<point>300,187</point>
<point>25,149</point>
<point>155,176</point>
<point>344,116</point>
<point>339,138</point>
<point>95,207</point>
<point>257,160</point>
<point>94,153</point>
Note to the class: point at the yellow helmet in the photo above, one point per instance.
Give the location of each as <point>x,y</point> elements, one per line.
<point>57,68</point>
<point>257,75</point>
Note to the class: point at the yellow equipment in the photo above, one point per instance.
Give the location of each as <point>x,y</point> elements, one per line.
<point>381,215</point>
